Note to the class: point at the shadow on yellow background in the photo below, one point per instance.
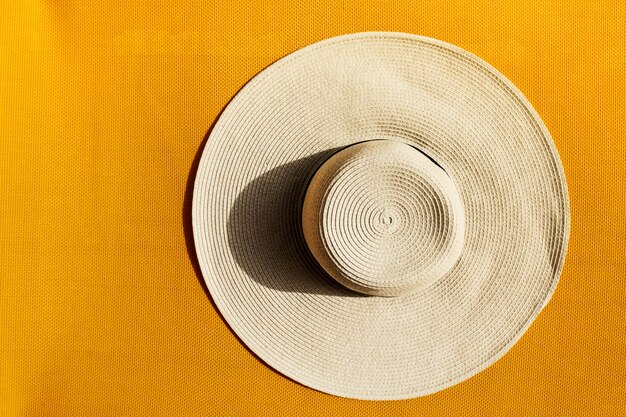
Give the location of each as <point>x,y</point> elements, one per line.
<point>103,108</point>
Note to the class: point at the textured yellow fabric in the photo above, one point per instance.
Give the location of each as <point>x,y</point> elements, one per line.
<point>103,106</point>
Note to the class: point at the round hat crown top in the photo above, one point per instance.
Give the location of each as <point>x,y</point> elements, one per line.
<point>382,218</point>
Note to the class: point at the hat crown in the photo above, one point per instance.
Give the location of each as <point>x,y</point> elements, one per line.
<point>382,218</point>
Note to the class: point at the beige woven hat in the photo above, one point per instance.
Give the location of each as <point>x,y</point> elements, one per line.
<point>380,215</point>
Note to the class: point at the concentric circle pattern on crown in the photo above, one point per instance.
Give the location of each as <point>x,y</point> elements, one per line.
<point>383,219</point>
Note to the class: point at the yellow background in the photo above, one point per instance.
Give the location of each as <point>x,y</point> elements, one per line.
<point>103,106</point>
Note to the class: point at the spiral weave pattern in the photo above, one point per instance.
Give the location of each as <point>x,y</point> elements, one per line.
<point>292,117</point>
<point>383,219</point>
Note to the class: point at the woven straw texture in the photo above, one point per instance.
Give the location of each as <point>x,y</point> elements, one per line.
<point>453,107</point>
<point>383,219</point>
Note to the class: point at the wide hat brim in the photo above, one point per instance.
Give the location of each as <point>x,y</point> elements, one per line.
<point>286,122</point>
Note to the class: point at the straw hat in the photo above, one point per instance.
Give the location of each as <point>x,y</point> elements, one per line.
<point>380,215</point>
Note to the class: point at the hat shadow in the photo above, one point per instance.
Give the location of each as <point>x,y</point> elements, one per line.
<point>265,231</point>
